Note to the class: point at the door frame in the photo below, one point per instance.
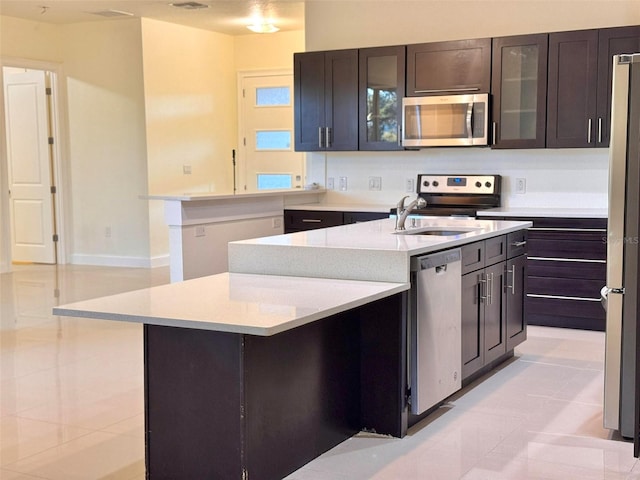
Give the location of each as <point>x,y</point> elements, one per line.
<point>59,161</point>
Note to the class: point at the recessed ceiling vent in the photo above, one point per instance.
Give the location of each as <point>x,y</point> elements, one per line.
<point>189,5</point>
<point>113,13</point>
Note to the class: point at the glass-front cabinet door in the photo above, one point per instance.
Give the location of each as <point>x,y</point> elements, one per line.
<point>519,88</point>
<point>380,97</point>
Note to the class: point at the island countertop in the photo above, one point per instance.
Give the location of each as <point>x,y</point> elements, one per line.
<point>247,304</point>
<point>361,251</point>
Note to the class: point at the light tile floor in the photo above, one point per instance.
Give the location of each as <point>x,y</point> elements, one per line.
<point>71,401</point>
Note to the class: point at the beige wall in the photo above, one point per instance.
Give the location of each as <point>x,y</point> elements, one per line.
<point>144,98</point>
<point>30,40</point>
<point>273,51</point>
<point>107,148</point>
<point>352,24</point>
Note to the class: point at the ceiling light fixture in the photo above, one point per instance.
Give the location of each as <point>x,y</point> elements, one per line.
<point>263,28</point>
<point>189,5</point>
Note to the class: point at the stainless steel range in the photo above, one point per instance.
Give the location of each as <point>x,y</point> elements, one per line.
<point>457,195</point>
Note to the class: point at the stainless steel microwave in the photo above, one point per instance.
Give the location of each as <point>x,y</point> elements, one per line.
<point>445,121</point>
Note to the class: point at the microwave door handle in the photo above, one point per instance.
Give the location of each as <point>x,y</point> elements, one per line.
<point>469,120</point>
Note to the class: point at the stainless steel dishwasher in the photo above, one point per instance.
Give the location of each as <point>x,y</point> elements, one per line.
<point>435,339</point>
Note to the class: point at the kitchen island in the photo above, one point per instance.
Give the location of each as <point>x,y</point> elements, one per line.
<point>252,375</point>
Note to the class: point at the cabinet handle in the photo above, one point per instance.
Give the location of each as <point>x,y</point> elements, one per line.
<point>483,287</point>
<point>319,137</point>
<point>442,90</point>
<point>519,244</point>
<point>599,129</point>
<point>490,289</point>
<point>311,220</point>
<point>399,133</point>
<point>589,132</point>
<point>512,271</point>
<point>494,129</point>
<point>327,137</point>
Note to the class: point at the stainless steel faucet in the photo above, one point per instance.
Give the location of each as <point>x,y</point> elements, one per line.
<point>403,213</point>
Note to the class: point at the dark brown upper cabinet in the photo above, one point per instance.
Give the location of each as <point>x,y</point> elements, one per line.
<point>579,91</point>
<point>519,90</point>
<point>382,80</point>
<point>442,68</point>
<point>326,100</point>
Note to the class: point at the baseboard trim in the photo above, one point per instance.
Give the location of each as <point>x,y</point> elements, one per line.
<point>118,261</point>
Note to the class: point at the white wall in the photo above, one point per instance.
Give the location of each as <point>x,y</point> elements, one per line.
<point>563,178</point>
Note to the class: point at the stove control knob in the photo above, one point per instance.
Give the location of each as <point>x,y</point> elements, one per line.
<point>478,184</point>
<point>487,184</point>
<point>435,183</point>
<point>425,183</point>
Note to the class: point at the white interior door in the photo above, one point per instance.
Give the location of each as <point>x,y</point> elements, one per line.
<point>29,167</point>
<point>269,159</point>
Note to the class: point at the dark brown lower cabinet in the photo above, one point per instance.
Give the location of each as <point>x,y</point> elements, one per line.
<point>493,320</point>
<point>302,220</point>
<point>566,268</point>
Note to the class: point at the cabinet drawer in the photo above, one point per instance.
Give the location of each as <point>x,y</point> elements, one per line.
<point>357,217</point>
<point>538,267</point>
<point>564,287</point>
<point>296,220</point>
<point>569,223</point>
<point>562,307</point>
<point>472,257</point>
<point>517,243</point>
<point>573,249</point>
<point>495,250</point>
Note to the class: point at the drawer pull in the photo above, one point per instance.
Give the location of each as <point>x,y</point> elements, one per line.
<point>561,259</point>
<point>311,220</point>
<point>561,297</point>
<point>519,244</point>
<point>560,229</point>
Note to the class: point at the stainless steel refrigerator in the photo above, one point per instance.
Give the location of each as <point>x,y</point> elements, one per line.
<point>621,291</point>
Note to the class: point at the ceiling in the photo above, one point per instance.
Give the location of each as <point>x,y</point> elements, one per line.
<point>225,16</point>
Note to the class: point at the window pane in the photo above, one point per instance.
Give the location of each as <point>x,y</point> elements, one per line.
<point>273,140</point>
<point>269,181</point>
<point>269,96</point>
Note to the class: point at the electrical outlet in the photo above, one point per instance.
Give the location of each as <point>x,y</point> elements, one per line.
<point>409,185</point>
<point>107,232</point>
<point>276,222</point>
<point>330,183</point>
<point>375,183</point>
<point>343,184</point>
<point>186,169</point>
<point>200,231</point>
<point>521,185</point>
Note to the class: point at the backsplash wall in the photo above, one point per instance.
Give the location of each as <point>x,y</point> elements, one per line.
<point>562,178</point>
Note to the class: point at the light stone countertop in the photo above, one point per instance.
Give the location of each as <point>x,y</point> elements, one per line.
<point>532,212</point>
<point>207,196</point>
<point>230,302</point>
<point>360,251</point>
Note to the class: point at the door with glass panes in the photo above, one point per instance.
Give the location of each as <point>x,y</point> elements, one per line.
<point>268,160</point>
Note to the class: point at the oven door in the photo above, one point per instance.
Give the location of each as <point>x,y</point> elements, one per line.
<point>451,120</point>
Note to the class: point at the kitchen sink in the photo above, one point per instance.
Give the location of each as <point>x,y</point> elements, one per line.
<point>438,231</point>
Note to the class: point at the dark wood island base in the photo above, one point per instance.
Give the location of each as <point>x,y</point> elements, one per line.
<point>235,406</point>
